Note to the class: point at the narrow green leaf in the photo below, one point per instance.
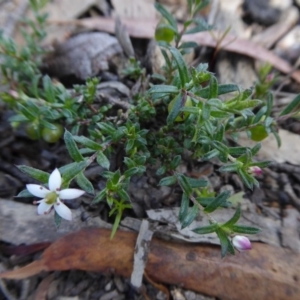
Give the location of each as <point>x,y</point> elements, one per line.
<point>222,89</point>
<point>39,175</point>
<point>213,87</point>
<point>69,174</point>
<point>188,45</point>
<point>226,245</point>
<point>185,185</point>
<point>48,88</point>
<point>234,218</point>
<point>84,183</point>
<point>130,172</point>
<point>123,195</point>
<point>206,229</point>
<point>161,171</point>
<point>87,142</point>
<point>184,207</point>
<point>178,104</point>
<point>57,220</point>
<point>217,202</point>
<point>168,180</point>
<point>244,229</point>
<point>166,14</point>
<point>165,89</point>
<point>247,179</point>
<point>116,224</point>
<point>231,167</point>
<point>72,147</point>
<point>181,66</point>
<point>196,183</point>
<point>292,106</point>
<point>190,217</point>
<point>102,160</point>
<point>211,154</point>
<point>175,162</point>
<point>100,196</point>
<point>24,194</point>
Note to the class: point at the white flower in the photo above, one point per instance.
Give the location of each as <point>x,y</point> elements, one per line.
<point>241,243</point>
<point>53,195</point>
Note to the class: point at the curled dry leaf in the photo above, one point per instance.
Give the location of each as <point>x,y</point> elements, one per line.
<point>265,272</point>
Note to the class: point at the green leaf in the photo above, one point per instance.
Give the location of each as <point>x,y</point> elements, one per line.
<point>70,173</point>
<point>226,245</point>
<point>292,106</point>
<point>161,171</point>
<point>256,149</point>
<point>102,160</point>
<point>222,89</point>
<point>188,45</point>
<point>261,164</point>
<point>205,111</point>
<point>190,216</point>
<point>123,195</point>
<point>185,185</point>
<point>72,147</point>
<point>163,89</point>
<point>87,142</point>
<point>178,104</point>
<point>181,66</point>
<point>206,229</point>
<point>213,87</point>
<point>244,229</point>
<point>24,194</point>
<point>48,88</point>
<point>116,224</point>
<point>211,154</point>
<point>166,15</point>
<point>100,196</point>
<point>231,167</point>
<point>175,162</point>
<point>57,220</point>
<point>234,218</point>
<point>106,128</point>
<point>247,178</point>
<point>196,183</point>
<point>184,207</point>
<point>84,183</point>
<point>200,25</point>
<point>217,202</point>
<point>132,171</point>
<point>168,180</point>
<point>30,115</point>
<point>129,145</point>
<point>39,175</point>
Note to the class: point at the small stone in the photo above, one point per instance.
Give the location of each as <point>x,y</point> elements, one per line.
<point>109,295</point>
<point>108,286</point>
<point>227,187</point>
<point>119,284</point>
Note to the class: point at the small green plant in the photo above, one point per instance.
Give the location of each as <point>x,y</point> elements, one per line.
<point>187,108</point>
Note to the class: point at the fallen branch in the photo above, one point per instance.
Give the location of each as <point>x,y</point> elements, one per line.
<point>265,272</point>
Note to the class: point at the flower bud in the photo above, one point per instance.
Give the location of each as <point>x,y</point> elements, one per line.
<point>255,170</point>
<point>241,242</point>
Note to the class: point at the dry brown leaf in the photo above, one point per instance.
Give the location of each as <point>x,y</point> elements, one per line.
<point>146,28</point>
<point>265,272</point>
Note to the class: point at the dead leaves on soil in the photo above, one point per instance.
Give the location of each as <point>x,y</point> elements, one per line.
<point>265,272</point>
<point>145,29</point>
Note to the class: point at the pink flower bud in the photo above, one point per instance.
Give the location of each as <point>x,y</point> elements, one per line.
<point>255,170</point>
<point>241,242</point>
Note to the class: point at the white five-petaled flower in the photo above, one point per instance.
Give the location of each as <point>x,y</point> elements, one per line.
<point>52,196</point>
<point>241,243</point>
